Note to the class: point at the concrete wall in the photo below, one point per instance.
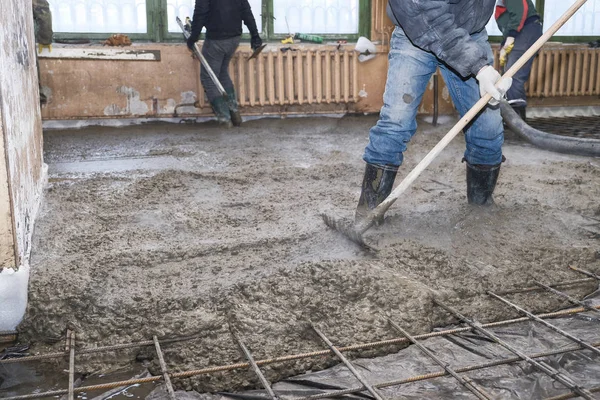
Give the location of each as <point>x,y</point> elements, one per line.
<point>7,245</point>
<point>21,121</point>
<point>21,164</point>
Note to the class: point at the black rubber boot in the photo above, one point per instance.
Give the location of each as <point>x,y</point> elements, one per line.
<point>481,182</point>
<point>221,109</point>
<point>377,185</point>
<point>234,111</point>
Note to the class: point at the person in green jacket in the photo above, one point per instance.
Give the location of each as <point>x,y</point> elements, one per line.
<point>42,19</point>
<point>520,24</point>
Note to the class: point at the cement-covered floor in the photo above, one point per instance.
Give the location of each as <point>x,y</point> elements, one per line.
<point>167,229</point>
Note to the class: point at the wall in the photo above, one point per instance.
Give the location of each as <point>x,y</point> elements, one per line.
<point>22,170</point>
<point>7,246</point>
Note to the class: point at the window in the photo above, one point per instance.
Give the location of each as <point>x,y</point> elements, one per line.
<point>586,22</point>
<point>583,26</point>
<point>106,16</point>
<point>155,19</point>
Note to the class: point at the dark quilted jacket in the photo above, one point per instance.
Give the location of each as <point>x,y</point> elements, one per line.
<point>222,18</point>
<point>443,27</point>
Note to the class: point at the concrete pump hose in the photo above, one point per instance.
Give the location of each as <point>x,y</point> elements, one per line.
<point>547,141</point>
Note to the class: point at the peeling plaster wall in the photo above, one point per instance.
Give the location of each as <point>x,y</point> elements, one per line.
<point>21,121</point>
<point>100,88</point>
<point>7,249</point>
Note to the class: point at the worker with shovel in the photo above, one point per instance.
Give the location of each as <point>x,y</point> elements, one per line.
<point>520,24</point>
<point>223,22</point>
<point>449,34</point>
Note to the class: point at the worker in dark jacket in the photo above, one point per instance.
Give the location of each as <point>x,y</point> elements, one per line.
<point>223,22</point>
<point>520,24</point>
<point>449,34</point>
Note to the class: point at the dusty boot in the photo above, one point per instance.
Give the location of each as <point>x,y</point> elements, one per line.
<point>234,111</point>
<point>221,109</point>
<point>481,181</point>
<point>377,185</point>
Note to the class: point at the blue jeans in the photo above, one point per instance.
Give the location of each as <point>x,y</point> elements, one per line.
<point>410,70</point>
<point>531,32</point>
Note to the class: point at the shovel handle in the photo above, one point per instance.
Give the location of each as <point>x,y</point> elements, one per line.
<point>409,179</point>
<point>200,57</point>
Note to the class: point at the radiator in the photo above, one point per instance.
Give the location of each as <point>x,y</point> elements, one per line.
<point>295,77</point>
<point>562,71</point>
<point>565,71</point>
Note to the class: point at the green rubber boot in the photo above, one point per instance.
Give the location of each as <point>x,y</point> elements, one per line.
<point>234,111</point>
<point>221,110</point>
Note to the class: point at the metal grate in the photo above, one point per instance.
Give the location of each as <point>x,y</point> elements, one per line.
<point>570,383</point>
<point>581,127</point>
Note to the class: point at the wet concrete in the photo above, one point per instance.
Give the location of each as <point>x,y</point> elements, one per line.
<point>174,230</point>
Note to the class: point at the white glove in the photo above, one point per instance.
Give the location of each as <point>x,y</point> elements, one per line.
<point>487,78</point>
<point>509,44</point>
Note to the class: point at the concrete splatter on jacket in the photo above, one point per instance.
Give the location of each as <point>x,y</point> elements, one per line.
<point>443,27</point>
<point>511,15</point>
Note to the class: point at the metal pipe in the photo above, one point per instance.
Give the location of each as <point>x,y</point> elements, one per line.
<point>467,383</point>
<point>263,380</point>
<point>71,349</point>
<point>163,368</point>
<point>546,323</point>
<point>551,372</point>
<point>348,364</point>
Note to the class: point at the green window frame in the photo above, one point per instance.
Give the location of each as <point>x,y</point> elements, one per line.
<point>157,25</point>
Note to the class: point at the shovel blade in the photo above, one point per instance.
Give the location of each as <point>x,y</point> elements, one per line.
<point>348,230</point>
<point>257,51</point>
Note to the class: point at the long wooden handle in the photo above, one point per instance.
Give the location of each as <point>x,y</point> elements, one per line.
<point>199,55</point>
<point>409,179</point>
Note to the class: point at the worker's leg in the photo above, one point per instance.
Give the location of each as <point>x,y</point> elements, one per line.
<point>214,54</point>
<point>517,94</point>
<point>484,135</point>
<point>409,71</point>
<point>230,46</point>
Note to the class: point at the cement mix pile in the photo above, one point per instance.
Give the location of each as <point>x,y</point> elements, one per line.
<point>175,230</point>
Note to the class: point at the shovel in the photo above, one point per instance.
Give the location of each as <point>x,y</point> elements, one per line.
<point>236,118</point>
<point>355,232</point>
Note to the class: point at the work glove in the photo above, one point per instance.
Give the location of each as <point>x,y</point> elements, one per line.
<point>191,41</point>
<point>508,46</point>
<point>487,78</point>
<point>255,42</point>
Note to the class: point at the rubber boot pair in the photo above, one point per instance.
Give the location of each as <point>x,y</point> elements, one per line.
<point>481,182</point>
<point>378,182</point>
<point>376,187</point>
<point>226,109</point>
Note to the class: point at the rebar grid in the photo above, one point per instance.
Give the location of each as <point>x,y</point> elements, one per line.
<point>551,372</point>
<point>466,382</point>
<point>575,390</point>
<point>263,380</point>
<point>348,364</point>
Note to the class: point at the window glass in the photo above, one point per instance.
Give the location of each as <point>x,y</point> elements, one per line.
<point>492,27</point>
<point>316,16</point>
<point>185,8</point>
<point>99,16</point>
<point>586,22</point>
